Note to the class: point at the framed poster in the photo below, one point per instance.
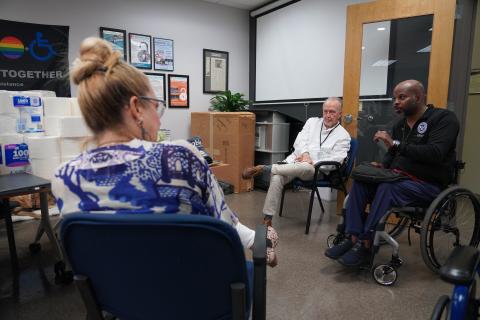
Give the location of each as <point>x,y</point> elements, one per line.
<point>118,39</point>
<point>157,81</point>
<point>215,71</point>
<point>140,51</point>
<point>44,67</point>
<point>178,92</point>
<point>163,54</point>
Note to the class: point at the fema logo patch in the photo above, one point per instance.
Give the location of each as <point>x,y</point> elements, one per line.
<point>422,127</point>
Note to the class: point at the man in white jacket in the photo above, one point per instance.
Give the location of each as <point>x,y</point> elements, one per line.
<point>321,139</point>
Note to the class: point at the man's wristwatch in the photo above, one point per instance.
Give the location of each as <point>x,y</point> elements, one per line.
<point>395,144</point>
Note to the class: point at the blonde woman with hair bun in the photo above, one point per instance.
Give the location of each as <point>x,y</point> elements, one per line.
<point>128,170</point>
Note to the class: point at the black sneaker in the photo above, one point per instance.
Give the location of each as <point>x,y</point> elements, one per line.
<point>358,255</point>
<point>339,250</point>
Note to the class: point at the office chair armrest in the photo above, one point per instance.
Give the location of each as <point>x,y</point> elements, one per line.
<point>260,245</point>
<point>328,163</point>
<point>325,163</point>
<point>260,273</point>
<point>461,266</point>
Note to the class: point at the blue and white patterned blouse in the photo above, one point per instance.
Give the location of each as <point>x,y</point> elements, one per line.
<point>143,177</point>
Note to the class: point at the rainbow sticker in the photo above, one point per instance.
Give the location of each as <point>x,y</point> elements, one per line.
<point>11,47</point>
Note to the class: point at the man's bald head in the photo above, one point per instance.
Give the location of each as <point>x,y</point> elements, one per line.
<point>409,97</point>
<point>413,86</point>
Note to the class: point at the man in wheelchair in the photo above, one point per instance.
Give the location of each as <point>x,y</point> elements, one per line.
<point>422,148</point>
<point>321,139</point>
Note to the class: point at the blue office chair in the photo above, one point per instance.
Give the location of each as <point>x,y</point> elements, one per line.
<point>337,179</point>
<point>164,266</point>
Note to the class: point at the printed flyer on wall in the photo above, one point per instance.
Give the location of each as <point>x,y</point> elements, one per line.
<point>140,53</point>
<point>163,52</point>
<point>178,91</point>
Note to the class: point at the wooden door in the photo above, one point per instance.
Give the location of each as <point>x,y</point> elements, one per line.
<point>443,12</point>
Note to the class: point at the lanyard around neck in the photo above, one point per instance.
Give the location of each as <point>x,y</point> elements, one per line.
<point>328,135</point>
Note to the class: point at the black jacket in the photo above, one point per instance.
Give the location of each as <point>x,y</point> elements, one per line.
<point>427,151</point>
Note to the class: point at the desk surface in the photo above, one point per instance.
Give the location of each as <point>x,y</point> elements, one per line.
<point>21,182</point>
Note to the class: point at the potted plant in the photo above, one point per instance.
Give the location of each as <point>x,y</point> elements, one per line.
<point>229,102</point>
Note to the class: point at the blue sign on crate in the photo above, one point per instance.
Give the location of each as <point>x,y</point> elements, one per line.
<point>16,155</point>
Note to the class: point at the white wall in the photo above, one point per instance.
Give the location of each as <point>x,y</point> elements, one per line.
<point>192,24</point>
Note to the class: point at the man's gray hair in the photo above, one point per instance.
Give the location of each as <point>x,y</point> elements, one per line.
<point>339,100</point>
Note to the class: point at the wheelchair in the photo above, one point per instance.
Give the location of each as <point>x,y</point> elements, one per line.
<point>451,220</point>
<point>459,270</point>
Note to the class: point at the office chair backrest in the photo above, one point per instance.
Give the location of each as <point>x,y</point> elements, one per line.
<point>352,154</point>
<point>165,266</point>
<point>338,178</point>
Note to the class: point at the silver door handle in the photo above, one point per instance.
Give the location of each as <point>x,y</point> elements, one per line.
<point>348,118</point>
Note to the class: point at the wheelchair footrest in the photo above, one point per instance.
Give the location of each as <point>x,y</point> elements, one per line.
<point>461,266</point>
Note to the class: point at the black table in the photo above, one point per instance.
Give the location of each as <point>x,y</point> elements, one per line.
<point>22,184</point>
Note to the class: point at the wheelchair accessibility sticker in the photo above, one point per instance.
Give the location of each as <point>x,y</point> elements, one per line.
<point>422,127</point>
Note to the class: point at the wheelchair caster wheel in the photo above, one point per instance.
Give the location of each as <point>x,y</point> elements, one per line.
<point>331,240</point>
<point>34,247</point>
<point>335,239</point>
<point>384,274</point>
<point>62,276</point>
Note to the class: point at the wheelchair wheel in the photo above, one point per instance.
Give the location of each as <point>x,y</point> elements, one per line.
<point>442,308</point>
<point>452,219</point>
<point>384,274</point>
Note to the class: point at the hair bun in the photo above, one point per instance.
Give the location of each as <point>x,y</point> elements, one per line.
<point>95,55</point>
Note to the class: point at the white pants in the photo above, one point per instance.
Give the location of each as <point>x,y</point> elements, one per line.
<point>281,175</point>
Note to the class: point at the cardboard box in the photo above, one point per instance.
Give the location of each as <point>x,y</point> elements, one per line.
<point>229,137</point>
<point>223,170</point>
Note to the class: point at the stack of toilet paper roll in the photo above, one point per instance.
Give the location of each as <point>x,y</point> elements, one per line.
<point>48,152</point>
<point>6,103</point>
<point>64,135</point>
<point>45,155</point>
<point>7,113</point>
<point>63,118</point>
<point>8,134</point>
<point>65,132</point>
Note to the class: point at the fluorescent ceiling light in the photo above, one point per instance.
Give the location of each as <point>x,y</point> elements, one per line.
<point>426,49</point>
<point>381,29</point>
<point>383,63</point>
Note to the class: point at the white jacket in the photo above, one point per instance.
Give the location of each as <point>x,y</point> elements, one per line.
<point>334,147</point>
